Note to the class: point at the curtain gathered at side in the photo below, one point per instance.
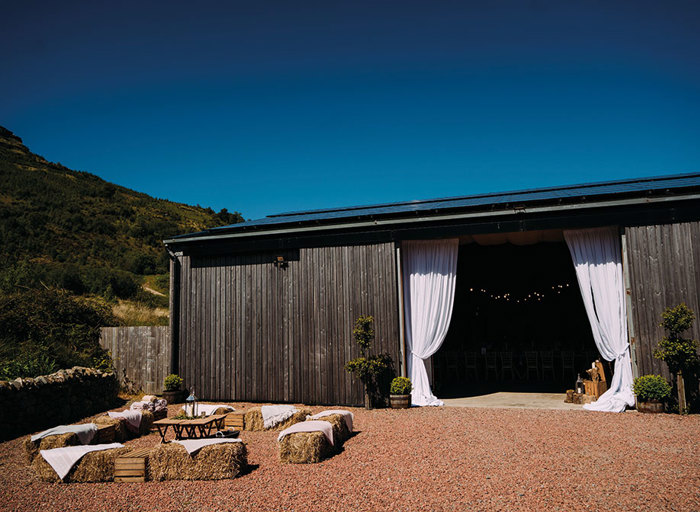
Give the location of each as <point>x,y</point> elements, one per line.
<point>429,277</point>
<point>597,257</point>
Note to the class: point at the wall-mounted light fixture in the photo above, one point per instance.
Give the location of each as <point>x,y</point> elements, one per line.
<point>281,262</point>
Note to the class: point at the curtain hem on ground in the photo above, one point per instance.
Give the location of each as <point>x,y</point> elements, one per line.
<point>597,257</point>
<point>429,277</point>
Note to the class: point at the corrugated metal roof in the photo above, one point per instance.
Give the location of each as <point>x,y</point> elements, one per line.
<point>565,194</point>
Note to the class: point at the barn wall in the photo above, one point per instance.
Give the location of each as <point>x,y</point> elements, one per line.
<point>664,260</point>
<point>251,331</point>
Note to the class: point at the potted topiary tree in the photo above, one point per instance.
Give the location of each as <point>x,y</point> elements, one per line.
<point>679,353</point>
<point>652,391</point>
<point>368,368</point>
<point>400,397</point>
<point>172,391</point>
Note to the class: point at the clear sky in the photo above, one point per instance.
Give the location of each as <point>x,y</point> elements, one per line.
<point>264,107</point>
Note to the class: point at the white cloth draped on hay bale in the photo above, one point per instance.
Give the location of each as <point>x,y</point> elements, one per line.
<point>309,426</point>
<point>85,432</point>
<point>274,414</point>
<point>63,459</point>
<point>194,445</point>
<point>347,416</point>
<point>208,409</point>
<point>133,418</point>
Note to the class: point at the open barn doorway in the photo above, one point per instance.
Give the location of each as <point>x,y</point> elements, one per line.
<point>518,323</point>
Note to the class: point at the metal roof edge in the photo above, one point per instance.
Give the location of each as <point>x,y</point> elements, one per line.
<point>486,194</point>
<point>181,239</point>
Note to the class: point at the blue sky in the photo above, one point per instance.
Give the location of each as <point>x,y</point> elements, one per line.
<point>265,107</point>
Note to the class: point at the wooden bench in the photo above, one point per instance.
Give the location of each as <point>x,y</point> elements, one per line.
<point>131,467</point>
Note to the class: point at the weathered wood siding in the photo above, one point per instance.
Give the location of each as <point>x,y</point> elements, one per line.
<point>664,264</point>
<point>144,352</point>
<point>251,331</point>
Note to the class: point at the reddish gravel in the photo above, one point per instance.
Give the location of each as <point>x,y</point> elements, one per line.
<point>425,459</point>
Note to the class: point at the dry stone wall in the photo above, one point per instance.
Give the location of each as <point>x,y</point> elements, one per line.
<point>33,404</point>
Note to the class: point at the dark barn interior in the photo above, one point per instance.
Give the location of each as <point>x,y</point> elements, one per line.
<point>518,322</point>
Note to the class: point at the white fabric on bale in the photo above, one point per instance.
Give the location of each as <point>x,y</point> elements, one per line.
<point>597,257</point>
<point>429,278</point>
<point>347,416</point>
<point>143,406</point>
<point>309,426</point>
<point>208,409</point>
<point>132,417</point>
<point>63,459</point>
<point>194,445</point>
<point>274,414</point>
<point>150,405</point>
<point>85,432</point>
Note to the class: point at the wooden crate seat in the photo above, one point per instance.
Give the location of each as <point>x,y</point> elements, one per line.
<point>131,467</point>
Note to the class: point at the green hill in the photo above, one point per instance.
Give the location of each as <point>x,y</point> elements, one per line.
<point>72,230</point>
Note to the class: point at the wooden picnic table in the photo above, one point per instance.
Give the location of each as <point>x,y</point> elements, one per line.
<point>198,427</point>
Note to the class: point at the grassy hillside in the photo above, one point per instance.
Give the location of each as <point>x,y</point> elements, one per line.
<point>72,230</point>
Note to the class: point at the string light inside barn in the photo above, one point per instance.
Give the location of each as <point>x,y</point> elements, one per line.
<point>533,296</point>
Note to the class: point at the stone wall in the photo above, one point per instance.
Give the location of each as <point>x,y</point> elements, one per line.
<point>33,404</point>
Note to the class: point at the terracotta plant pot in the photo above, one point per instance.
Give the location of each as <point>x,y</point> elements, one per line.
<point>650,407</point>
<point>174,397</point>
<point>400,401</point>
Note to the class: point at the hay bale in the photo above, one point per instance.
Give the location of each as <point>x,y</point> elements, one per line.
<point>221,410</point>
<point>215,462</point>
<point>254,420</point>
<point>121,433</point>
<point>31,448</point>
<point>93,467</point>
<point>341,433</point>
<point>304,448</point>
<point>147,420</point>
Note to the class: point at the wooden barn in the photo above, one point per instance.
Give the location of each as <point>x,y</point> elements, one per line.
<point>264,310</point>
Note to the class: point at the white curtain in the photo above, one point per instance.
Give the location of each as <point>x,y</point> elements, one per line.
<point>598,260</point>
<point>429,277</point>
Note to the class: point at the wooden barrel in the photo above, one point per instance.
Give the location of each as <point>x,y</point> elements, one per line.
<point>400,401</point>
<point>650,407</point>
<point>173,397</point>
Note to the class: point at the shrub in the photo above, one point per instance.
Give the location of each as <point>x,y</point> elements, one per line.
<point>30,364</point>
<point>47,330</point>
<point>651,388</point>
<point>401,386</point>
<point>364,332</point>
<point>373,370</point>
<point>366,368</point>
<point>679,353</point>
<point>172,382</point>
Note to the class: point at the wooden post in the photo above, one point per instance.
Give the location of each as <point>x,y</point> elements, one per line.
<point>628,304</point>
<point>680,383</point>
<point>403,370</point>
<point>368,398</point>
<point>174,319</point>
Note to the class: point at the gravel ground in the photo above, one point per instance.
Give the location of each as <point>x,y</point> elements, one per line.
<point>425,459</point>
